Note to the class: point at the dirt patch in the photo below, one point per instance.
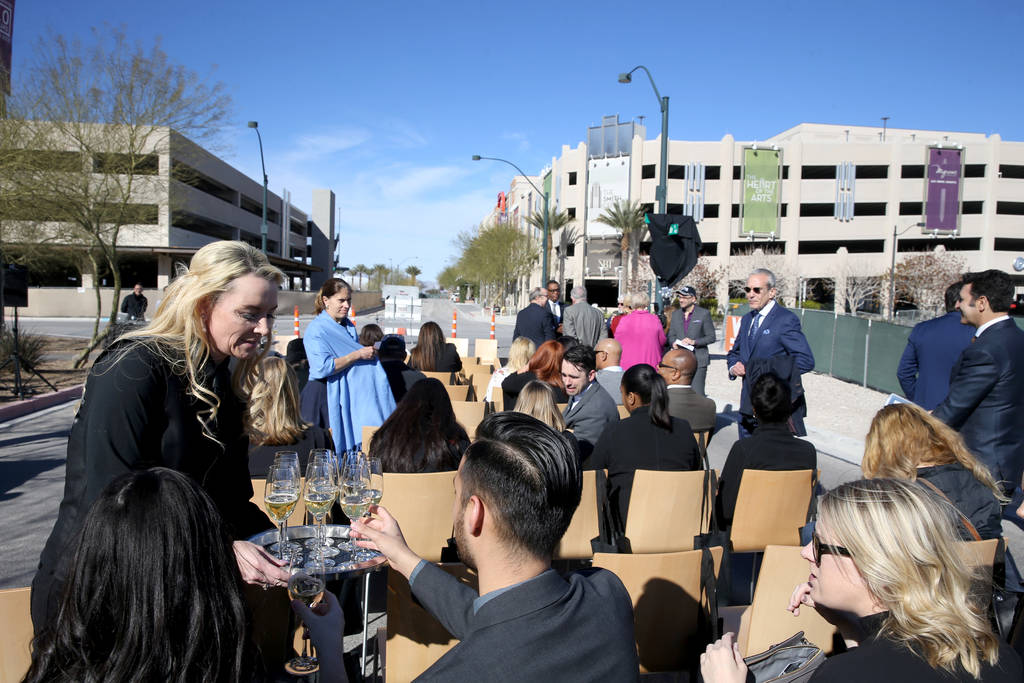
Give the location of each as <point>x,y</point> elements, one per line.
<point>55,367</point>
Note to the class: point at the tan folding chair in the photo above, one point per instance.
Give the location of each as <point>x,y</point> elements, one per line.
<point>498,399</point>
<point>415,639</point>
<point>422,504</point>
<point>461,345</point>
<point>981,553</point>
<point>665,589</point>
<point>368,433</point>
<point>469,414</point>
<point>782,569</point>
<point>561,407</point>
<point>457,392</point>
<point>444,377</point>
<point>486,350</point>
<point>665,510</point>
<point>575,543</point>
<point>16,622</point>
<point>623,412</point>
<point>702,439</point>
<point>770,509</point>
<point>479,378</point>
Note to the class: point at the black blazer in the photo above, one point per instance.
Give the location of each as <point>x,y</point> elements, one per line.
<point>772,447</point>
<point>514,383</point>
<point>986,392</point>
<point>262,457</point>
<point>636,444</point>
<point>535,323</point>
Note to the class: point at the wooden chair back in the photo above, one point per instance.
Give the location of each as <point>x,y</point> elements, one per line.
<point>561,407</point>
<point>469,414</point>
<point>479,378</point>
<point>415,639</point>
<point>575,543</point>
<point>498,399</point>
<point>770,509</point>
<point>445,378</point>
<point>457,392</point>
<point>368,433</point>
<point>702,439</point>
<point>665,510</point>
<point>422,504</point>
<point>665,589</point>
<point>782,569</point>
<point>486,350</point>
<point>980,553</point>
<point>623,412</point>
<point>461,345</point>
<point>16,622</point>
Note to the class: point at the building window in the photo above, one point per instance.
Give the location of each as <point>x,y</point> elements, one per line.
<point>737,172</point>
<point>712,172</point>
<point>971,207</point>
<point>974,171</point>
<point>711,211</point>
<point>869,209</point>
<point>647,208</point>
<point>1010,208</point>
<point>647,171</point>
<point>818,172</point>
<point>1010,171</point>
<point>570,250</point>
<point>832,246</point>
<point>676,172</point>
<point>571,211</point>
<point>572,177</point>
<point>817,210</point>
<point>1009,244</point>
<point>911,208</point>
<point>709,249</point>
<point>872,172</point>
<point>912,171</point>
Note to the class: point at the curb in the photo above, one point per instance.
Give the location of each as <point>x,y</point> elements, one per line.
<point>20,408</point>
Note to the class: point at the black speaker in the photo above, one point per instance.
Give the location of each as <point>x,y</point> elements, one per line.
<point>15,285</point>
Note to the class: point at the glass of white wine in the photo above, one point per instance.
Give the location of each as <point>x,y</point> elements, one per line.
<point>288,459</point>
<point>306,582</point>
<point>329,456</point>
<point>280,496</point>
<point>321,489</point>
<point>376,479</point>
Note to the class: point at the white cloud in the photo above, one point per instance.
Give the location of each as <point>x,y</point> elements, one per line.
<point>521,139</point>
<point>313,146</point>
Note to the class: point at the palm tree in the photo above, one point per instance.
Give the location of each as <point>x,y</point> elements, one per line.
<point>412,272</point>
<point>569,235</point>
<point>360,270</point>
<point>556,221</point>
<point>380,271</point>
<point>628,219</point>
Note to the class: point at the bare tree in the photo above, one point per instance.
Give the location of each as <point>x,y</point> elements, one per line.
<point>705,278</point>
<point>742,263</point>
<point>922,279</point>
<point>854,287</point>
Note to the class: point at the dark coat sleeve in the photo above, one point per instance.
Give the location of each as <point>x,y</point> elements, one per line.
<point>707,326</point>
<point>906,372</point>
<point>449,600</point>
<point>973,378</point>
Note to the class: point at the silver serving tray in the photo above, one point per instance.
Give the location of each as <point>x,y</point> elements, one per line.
<point>342,568</point>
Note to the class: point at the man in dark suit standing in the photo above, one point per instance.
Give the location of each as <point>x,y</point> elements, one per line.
<point>677,368</point>
<point>932,350</point>
<point>590,407</point>
<point>692,326</point>
<point>554,291</point>
<point>770,339</point>
<point>986,389</point>
<point>535,322</point>
<point>516,490</point>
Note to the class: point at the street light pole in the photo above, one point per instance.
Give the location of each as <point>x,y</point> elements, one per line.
<point>263,227</point>
<point>892,267</point>
<point>544,259</point>
<point>662,191</point>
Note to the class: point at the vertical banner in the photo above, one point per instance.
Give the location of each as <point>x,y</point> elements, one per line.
<point>761,174</point>
<point>6,38</point>
<point>942,190</point>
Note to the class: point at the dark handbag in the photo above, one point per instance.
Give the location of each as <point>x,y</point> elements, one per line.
<point>794,659</point>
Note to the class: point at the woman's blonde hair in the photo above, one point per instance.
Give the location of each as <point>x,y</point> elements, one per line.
<point>904,436</point>
<point>520,353</point>
<point>274,418</point>
<point>905,544</point>
<point>537,399</point>
<point>177,332</point>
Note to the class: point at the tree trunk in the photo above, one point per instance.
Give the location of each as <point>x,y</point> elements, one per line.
<point>83,356</point>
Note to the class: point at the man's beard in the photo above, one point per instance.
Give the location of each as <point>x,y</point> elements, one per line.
<point>461,538</point>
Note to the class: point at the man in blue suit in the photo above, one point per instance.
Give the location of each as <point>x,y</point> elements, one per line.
<point>986,388</point>
<point>932,350</point>
<point>535,322</point>
<point>770,340</point>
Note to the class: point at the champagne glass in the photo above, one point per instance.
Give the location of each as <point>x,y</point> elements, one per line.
<point>288,459</point>
<point>321,489</point>
<point>376,479</point>
<point>328,456</point>
<point>357,495</point>
<point>306,582</point>
<point>280,496</point>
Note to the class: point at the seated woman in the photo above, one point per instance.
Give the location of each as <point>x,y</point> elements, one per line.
<point>545,365</point>
<point>431,353</point>
<point>518,358</point>
<point>772,446</point>
<point>905,442</point>
<point>885,567</point>
<point>649,439</point>
<point>154,593</point>
<point>422,435</point>
<point>274,421</point>
<point>537,399</point>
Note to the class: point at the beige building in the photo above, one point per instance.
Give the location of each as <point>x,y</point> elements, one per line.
<point>843,192</point>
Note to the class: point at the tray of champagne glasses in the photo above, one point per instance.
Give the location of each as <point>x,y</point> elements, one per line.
<point>342,558</point>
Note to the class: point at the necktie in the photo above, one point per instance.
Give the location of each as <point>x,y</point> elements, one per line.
<point>754,325</point>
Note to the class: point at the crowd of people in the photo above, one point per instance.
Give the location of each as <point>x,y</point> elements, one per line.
<point>143,573</point>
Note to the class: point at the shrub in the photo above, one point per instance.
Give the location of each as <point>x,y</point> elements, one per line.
<point>812,305</point>
<point>31,349</point>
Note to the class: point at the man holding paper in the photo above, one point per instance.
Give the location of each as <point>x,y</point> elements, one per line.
<point>691,326</point>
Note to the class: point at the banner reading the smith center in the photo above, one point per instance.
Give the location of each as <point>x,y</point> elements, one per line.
<point>760,192</point>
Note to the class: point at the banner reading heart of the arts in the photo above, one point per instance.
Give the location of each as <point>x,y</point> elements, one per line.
<point>760,192</point>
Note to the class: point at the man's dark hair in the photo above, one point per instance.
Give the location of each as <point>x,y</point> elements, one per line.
<point>567,342</point>
<point>953,295</point>
<point>994,285</point>
<point>552,282</point>
<point>392,347</point>
<point>582,357</point>
<point>771,398</point>
<point>529,477</point>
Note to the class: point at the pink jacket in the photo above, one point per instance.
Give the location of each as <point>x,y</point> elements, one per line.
<point>642,338</point>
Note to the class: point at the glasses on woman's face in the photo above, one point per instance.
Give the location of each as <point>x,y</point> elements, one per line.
<point>820,548</point>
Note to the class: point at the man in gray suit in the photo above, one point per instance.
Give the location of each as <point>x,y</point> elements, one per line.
<point>581,320</point>
<point>590,407</point>
<point>677,368</point>
<point>516,490</point>
<point>691,325</point>
<point>609,372</point>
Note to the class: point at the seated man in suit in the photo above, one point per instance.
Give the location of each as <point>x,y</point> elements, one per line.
<point>608,354</point>
<point>590,407</point>
<point>677,367</point>
<point>535,322</point>
<point>516,490</point>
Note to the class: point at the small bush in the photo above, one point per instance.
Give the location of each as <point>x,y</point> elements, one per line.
<point>812,305</point>
<point>31,348</point>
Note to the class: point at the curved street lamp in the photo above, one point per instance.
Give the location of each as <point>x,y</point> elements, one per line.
<point>662,191</point>
<point>544,261</point>
<point>263,228</point>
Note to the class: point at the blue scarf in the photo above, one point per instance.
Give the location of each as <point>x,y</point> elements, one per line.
<point>359,395</point>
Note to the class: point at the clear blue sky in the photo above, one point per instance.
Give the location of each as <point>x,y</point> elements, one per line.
<point>385,102</point>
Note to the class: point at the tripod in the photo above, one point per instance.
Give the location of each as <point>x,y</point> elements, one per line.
<point>19,363</point>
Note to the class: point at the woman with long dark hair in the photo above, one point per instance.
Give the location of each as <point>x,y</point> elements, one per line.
<point>649,439</point>
<point>422,435</point>
<point>432,353</point>
<point>546,366</point>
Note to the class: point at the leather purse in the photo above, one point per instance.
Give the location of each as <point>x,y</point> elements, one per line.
<point>793,660</point>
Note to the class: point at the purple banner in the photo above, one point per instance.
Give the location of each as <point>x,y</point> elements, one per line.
<point>942,196</point>
<point>6,37</point>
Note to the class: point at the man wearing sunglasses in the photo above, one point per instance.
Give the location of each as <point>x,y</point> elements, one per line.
<point>769,340</point>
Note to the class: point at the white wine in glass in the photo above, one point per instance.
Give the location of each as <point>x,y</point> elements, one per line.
<point>355,505</point>
<point>306,583</point>
<point>280,496</point>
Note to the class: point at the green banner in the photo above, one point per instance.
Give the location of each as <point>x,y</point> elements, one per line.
<point>760,192</point>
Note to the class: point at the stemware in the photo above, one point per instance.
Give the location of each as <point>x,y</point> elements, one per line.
<point>325,455</point>
<point>288,459</point>
<point>320,492</point>
<point>376,479</point>
<point>280,496</point>
<point>306,582</point>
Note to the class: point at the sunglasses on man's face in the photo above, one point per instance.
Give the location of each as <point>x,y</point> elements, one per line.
<point>755,290</point>
<point>819,548</point>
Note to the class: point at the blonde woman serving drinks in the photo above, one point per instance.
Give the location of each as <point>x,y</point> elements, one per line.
<point>165,395</point>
